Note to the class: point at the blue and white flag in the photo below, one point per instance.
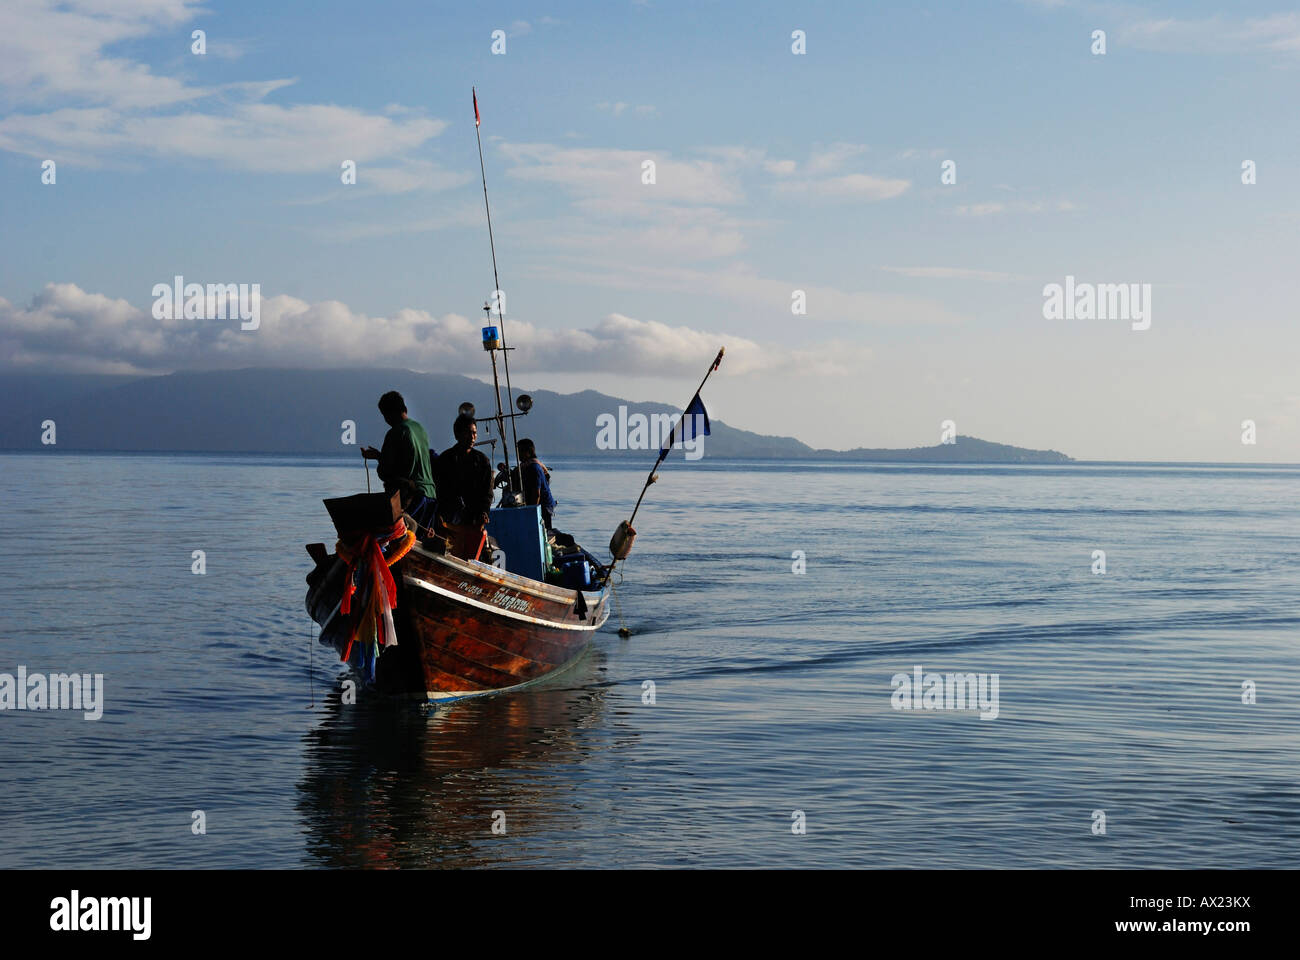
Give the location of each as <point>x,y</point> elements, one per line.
<point>694,423</point>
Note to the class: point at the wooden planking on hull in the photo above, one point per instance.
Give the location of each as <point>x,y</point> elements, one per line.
<point>482,630</point>
<point>478,643</point>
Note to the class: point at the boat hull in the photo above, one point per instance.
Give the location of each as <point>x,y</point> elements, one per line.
<point>468,629</point>
<point>482,630</point>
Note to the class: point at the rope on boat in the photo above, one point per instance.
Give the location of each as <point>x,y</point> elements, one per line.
<point>311,665</point>
<point>613,592</point>
<point>398,534</point>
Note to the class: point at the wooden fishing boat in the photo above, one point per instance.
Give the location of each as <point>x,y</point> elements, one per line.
<point>461,628</point>
<point>419,618</point>
<point>413,616</point>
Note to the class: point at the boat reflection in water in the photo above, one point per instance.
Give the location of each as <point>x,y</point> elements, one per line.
<point>397,785</point>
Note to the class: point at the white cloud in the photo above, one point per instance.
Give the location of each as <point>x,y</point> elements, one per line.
<point>834,157</point>
<point>257,136</point>
<point>1019,206</point>
<point>861,186</point>
<point>1278,33</point>
<point>53,50</point>
<point>347,231</point>
<point>411,175</point>
<point>952,273</point>
<point>682,234</point>
<point>619,107</point>
<point>67,328</point>
<point>614,176</point>
<point>1134,27</point>
<point>227,49</point>
<point>672,234</point>
<point>616,219</point>
<point>100,108</point>
<point>824,175</point>
<point>739,283</point>
<point>922,153</point>
<point>980,209</point>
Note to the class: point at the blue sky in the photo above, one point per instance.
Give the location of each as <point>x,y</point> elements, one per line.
<point>775,172</point>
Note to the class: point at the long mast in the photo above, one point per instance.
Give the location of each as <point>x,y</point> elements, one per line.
<point>501,314</point>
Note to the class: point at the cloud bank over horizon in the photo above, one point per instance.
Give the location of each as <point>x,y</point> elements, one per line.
<point>64,328</point>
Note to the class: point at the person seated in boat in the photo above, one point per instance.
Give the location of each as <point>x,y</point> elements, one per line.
<point>464,479</point>
<point>535,480</point>
<point>405,462</point>
<point>531,478</point>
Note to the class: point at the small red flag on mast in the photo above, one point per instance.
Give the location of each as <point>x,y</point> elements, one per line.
<point>476,118</point>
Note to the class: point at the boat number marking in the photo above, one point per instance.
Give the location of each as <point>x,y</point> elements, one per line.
<point>501,598</point>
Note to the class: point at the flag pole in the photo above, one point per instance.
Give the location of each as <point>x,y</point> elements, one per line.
<point>653,470</point>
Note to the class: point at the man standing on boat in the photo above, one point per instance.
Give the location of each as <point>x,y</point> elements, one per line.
<point>465,490</point>
<point>405,462</point>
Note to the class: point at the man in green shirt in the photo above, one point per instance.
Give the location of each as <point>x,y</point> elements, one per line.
<point>404,459</point>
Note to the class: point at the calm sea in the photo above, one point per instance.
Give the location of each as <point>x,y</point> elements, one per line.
<point>1120,694</point>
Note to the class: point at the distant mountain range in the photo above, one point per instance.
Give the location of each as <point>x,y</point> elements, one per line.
<point>302,411</point>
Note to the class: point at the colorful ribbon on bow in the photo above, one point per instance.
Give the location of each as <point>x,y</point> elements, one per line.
<point>372,620</point>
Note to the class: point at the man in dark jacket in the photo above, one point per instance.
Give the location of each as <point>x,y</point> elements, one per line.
<point>464,478</point>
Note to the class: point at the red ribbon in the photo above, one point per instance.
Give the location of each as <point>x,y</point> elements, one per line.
<point>372,553</point>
